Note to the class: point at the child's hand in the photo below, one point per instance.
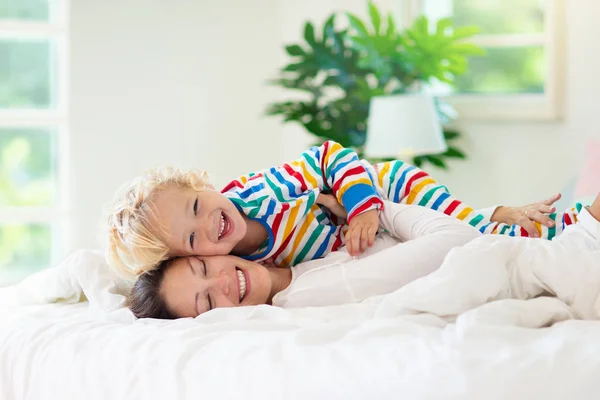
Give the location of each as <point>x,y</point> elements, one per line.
<point>269,263</point>
<point>361,232</point>
<point>332,204</point>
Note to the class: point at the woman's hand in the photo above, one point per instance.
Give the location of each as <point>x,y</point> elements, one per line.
<point>525,216</point>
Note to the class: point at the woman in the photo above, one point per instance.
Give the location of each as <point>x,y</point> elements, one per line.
<point>415,244</point>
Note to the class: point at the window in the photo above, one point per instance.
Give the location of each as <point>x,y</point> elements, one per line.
<point>520,75</point>
<point>32,134</point>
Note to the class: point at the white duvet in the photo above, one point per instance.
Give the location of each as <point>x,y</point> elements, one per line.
<point>501,319</point>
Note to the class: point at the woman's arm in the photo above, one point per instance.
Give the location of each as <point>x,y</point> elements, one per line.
<point>410,223</point>
<point>423,237</point>
<point>426,235</point>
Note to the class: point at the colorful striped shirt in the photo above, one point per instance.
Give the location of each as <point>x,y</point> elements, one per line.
<point>283,199</point>
<point>404,183</point>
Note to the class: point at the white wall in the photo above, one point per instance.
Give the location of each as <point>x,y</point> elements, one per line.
<point>176,82</point>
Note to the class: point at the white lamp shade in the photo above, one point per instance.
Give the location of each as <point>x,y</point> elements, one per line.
<point>403,125</point>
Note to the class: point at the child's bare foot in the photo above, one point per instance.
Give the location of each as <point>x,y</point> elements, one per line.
<point>594,209</point>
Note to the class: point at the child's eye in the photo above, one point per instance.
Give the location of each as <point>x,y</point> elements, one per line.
<point>192,240</point>
<point>196,207</point>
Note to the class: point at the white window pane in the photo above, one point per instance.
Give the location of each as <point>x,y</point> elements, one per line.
<point>505,70</point>
<point>28,10</point>
<point>24,249</point>
<point>27,74</point>
<point>27,167</point>
<point>491,16</point>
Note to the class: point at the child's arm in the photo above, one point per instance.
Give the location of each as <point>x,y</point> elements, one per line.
<point>330,168</point>
<point>407,184</point>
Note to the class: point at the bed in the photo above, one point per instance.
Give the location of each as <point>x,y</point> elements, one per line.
<point>65,334</point>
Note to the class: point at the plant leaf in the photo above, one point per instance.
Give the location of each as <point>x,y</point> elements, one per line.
<point>294,50</point>
<point>329,27</point>
<point>455,153</point>
<point>358,25</point>
<point>418,161</point>
<point>391,27</point>
<point>293,67</point>
<point>437,161</point>
<point>309,34</point>
<point>450,135</point>
<point>375,17</point>
<point>442,25</point>
<point>360,42</point>
<point>421,26</point>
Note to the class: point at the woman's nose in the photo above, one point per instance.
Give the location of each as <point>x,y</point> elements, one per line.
<point>221,283</point>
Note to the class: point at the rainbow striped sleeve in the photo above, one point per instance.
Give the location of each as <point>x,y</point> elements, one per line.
<point>334,168</point>
<point>407,184</point>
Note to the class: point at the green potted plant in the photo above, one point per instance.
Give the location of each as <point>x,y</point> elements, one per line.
<point>338,71</point>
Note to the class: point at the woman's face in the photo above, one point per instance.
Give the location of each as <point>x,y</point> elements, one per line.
<point>193,285</point>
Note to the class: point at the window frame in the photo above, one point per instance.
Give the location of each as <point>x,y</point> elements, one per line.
<point>53,119</point>
<point>547,106</point>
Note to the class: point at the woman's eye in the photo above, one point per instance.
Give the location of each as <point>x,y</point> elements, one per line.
<point>196,207</point>
<point>210,303</point>
<point>192,240</point>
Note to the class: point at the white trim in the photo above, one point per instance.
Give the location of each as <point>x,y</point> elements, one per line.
<point>516,107</point>
<point>54,118</point>
<point>31,118</point>
<point>510,40</point>
<point>29,29</point>
<point>555,56</point>
<point>520,107</point>
<point>61,245</point>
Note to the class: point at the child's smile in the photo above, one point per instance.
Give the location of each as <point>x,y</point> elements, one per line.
<point>226,226</point>
<point>197,222</point>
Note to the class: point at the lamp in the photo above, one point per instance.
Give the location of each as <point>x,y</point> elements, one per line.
<point>403,125</point>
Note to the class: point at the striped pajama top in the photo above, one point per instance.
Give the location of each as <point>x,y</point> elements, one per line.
<point>283,199</point>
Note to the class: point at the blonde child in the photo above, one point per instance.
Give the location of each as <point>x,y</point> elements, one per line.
<point>274,214</point>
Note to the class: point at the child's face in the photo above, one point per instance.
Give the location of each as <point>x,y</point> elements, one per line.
<point>194,285</point>
<point>202,223</point>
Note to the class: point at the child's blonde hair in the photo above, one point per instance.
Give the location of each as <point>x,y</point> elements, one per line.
<point>133,243</point>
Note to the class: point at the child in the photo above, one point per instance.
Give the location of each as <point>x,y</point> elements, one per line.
<point>273,214</point>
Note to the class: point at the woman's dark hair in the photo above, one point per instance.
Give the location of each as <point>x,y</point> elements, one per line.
<point>145,300</point>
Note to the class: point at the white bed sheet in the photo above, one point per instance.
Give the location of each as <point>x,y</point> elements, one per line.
<point>441,337</point>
